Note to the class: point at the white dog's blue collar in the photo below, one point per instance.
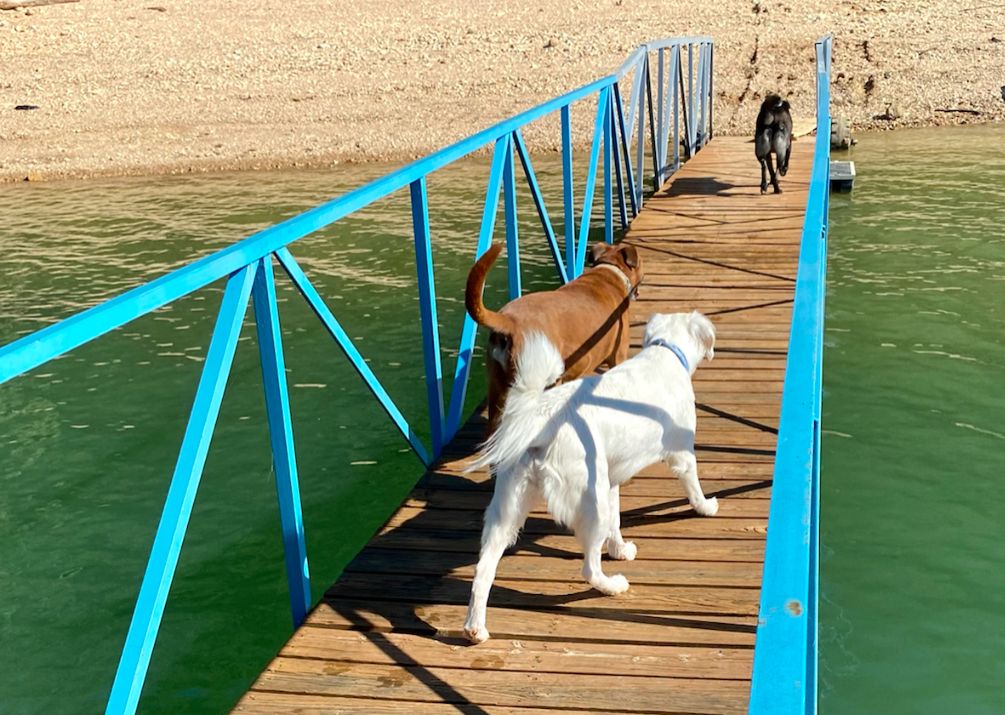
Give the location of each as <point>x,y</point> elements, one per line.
<point>675,350</point>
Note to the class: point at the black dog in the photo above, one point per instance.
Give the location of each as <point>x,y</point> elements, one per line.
<point>773,134</point>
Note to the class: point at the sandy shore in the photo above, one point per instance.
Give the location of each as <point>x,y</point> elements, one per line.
<point>168,86</point>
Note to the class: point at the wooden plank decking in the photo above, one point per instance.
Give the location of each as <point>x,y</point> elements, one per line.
<point>387,636</point>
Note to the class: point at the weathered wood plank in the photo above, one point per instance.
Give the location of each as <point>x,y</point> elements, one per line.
<point>527,655</point>
<point>489,688</point>
<point>651,548</point>
<point>631,506</point>
<point>580,625</point>
<point>440,488</point>
<point>566,569</point>
<point>706,470</point>
<point>549,595</point>
<point>268,703</point>
<point>686,524</point>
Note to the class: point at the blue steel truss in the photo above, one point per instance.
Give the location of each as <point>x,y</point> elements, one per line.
<point>785,654</point>
<point>247,267</point>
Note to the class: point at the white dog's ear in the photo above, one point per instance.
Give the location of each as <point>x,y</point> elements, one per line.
<point>703,332</point>
<point>654,326</point>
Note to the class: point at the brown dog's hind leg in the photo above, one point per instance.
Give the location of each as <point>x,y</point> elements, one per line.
<point>499,381</point>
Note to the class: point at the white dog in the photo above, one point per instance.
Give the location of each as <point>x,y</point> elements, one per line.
<point>576,443</point>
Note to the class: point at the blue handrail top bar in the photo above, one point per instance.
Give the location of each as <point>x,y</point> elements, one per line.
<point>784,678</point>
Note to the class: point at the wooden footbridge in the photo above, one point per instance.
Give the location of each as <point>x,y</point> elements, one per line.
<point>720,618</point>
<point>387,637</point>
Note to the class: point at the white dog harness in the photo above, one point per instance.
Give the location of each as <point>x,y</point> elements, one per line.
<point>675,350</point>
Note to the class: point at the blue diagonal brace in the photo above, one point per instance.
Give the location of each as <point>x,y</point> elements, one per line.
<point>599,126</point>
<point>284,460</point>
<point>625,140</point>
<point>427,311</point>
<point>142,635</point>
<point>542,211</point>
<point>469,331</point>
<point>313,298</point>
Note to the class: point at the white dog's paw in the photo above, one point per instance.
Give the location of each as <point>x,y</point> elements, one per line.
<point>708,508</point>
<point>626,551</point>
<point>476,634</point>
<point>611,585</point>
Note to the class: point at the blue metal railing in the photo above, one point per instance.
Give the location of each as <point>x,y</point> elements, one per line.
<point>785,655</point>
<point>686,111</point>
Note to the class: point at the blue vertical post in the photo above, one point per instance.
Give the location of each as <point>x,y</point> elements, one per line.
<point>665,115</point>
<point>608,203</point>
<point>462,369</point>
<point>698,109</point>
<point>135,658</point>
<point>676,107</point>
<point>284,461</point>
<point>711,86</point>
<point>623,148</point>
<point>652,133</point>
<point>427,311</point>
<point>640,142</point>
<point>690,95</point>
<point>659,148</point>
<point>567,195</point>
<point>512,236</point>
<point>616,154</point>
<point>687,112</point>
<point>704,91</point>
<point>634,104</point>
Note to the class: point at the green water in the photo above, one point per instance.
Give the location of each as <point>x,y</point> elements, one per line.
<point>912,612</point>
<point>913,528</point>
<point>88,441</point>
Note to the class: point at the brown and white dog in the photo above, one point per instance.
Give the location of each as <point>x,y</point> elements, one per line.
<point>586,319</point>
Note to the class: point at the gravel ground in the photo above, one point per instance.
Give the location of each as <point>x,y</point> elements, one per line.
<point>172,86</point>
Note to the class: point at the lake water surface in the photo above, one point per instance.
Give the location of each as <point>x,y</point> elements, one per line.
<point>913,488</point>
<point>89,440</point>
<point>913,577</point>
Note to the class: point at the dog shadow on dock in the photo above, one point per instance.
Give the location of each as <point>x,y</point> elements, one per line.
<point>407,591</point>
<point>700,186</point>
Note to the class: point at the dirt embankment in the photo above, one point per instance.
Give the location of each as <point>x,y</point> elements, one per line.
<point>169,86</point>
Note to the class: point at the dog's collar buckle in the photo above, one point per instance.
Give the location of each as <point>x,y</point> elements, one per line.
<point>675,350</point>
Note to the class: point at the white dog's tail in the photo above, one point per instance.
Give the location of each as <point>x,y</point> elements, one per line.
<point>538,365</point>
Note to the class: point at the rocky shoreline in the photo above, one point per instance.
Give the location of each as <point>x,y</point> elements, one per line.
<point>121,87</point>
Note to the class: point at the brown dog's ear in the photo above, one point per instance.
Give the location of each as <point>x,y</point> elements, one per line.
<point>631,256</point>
<point>597,251</point>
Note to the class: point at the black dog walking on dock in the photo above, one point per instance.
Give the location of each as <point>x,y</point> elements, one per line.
<point>773,134</point>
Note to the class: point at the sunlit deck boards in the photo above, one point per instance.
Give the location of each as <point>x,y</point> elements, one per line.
<point>386,637</point>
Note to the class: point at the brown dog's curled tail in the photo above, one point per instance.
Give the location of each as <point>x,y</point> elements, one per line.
<point>473,295</point>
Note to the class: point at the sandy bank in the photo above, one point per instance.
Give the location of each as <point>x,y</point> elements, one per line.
<point>165,86</point>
